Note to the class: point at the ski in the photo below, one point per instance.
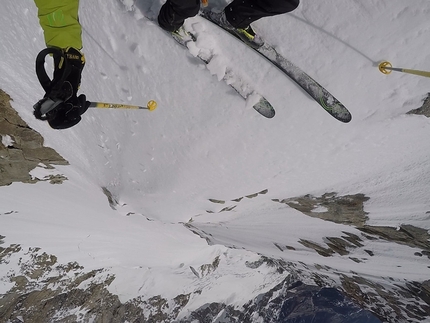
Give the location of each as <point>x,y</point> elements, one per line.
<point>323,97</point>
<point>261,105</point>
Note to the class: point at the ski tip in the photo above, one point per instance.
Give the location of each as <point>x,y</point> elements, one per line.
<point>264,108</point>
<point>270,115</point>
<point>344,117</point>
<point>347,119</point>
<point>336,109</point>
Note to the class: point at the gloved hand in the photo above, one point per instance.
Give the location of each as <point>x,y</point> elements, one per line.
<point>61,106</point>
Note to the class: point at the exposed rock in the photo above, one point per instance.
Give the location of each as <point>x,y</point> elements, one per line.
<point>326,252</point>
<point>228,208</point>
<point>424,109</point>
<point>392,303</point>
<point>113,201</point>
<point>349,210</point>
<point>283,247</point>
<point>46,291</point>
<point>217,201</point>
<point>22,148</point>
<point>270,262</point>
<point>209,268</point>
<point>237,200</point>
<point>290,301</point>
<point>346,209</point>
<point>405,234</point>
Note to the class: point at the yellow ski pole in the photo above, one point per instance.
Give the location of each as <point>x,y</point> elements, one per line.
<point>386,68</point>
<point>151,105</point>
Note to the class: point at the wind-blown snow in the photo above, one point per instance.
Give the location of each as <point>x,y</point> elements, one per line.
<point>204,142</point>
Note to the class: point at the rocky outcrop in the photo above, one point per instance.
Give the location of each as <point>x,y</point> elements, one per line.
<point>349,209</point>
<point>21,148</point>
<point>424,109</point>
<point>391,301</point>
<point>46,291</point>
<point>290,301</point>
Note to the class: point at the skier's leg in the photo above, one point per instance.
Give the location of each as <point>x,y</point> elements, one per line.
<point>241,13</point>
<point>174,12</point>
<point>60,23</point>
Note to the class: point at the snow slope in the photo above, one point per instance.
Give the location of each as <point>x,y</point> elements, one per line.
<point>203,142</point>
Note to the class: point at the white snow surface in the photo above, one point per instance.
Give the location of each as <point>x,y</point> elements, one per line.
<point>7,141</point>
<point>204,142</point>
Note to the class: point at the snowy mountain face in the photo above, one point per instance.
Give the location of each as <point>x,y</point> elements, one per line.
<point>203,210</point>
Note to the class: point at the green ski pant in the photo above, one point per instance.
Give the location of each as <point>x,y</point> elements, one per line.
<point>60,23</point>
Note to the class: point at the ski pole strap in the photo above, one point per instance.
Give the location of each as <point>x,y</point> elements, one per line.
<point>59,59</point>
<point>58,89</point>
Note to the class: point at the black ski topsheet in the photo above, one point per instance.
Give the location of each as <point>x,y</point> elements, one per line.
<point>262,106</point>
<point>307,83</point>
<point>324,98</point>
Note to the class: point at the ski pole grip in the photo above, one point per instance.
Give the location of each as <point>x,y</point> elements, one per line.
<point>44,79</point>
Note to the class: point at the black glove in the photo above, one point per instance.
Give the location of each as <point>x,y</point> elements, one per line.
<point>60,106</point>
